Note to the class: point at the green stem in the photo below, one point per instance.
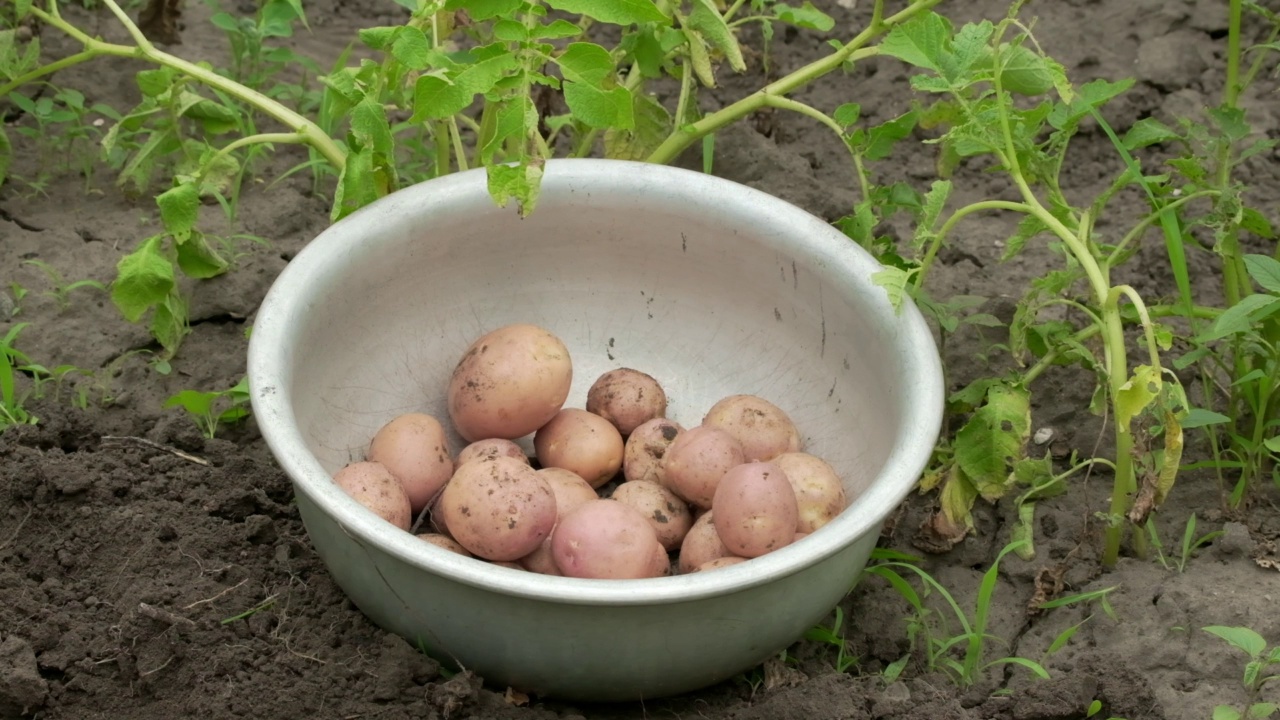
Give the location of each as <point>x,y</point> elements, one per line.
<point>49,69</point>
<point>686,90</point>
<point>1125,485</point>
<point>440,133</point>
<point>864,184</point>
<point>1146,222</point>
<point>728,14</point>
<point>459,152</point>
<point>1113,298</point>
<point>854,50</point>
<point>782,103</point>
<point>956,217</point>
<point>1231,93</point>
<point>282,138</point>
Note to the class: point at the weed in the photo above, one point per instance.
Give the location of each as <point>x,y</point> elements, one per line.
<point>929,628</point>
<point>211,410</point>
<point>834,637</point>
<point>1190,543</point>
<point>1263,667</point>
<point>1094,708</point>
<point>59,289</point>
<point>12,411</point>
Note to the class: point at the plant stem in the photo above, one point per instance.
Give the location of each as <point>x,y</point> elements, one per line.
<point>51,68</point>
<point>1146,222</point>
<point>1231,93</point>
<point>282,138</point>
<point>957,216</point>
<point>459,152</point>
<point>783,103</point>
<point>854,50</point>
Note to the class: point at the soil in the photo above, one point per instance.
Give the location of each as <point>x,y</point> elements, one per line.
<point>167,575</point>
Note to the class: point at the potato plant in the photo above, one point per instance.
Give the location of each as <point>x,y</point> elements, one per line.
<point>503,84</point>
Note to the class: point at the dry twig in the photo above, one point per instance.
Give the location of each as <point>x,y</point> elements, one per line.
<point>123,439</point>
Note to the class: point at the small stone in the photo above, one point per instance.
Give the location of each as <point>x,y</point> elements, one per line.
<point>1043,435</point>
<point>1235,542</point>
<point>259,529</point>
<point>22,690</point>
<point>1173,61</point>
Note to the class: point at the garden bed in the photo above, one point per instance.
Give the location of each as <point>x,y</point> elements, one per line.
<point>149,572</point>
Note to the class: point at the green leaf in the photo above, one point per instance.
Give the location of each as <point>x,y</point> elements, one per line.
<point>1031,665</point>
<point>1225,712</point>
<point>600,108</point>
<point>1024,531</point>
<point>1262,710</point>
<point>646,48</point>
<point>652,124</point>
<point>521,183</point>
<point>847,114</point>
<point>882,138</point>
<point>179,210</point>
<point>21,8</point>
<point>1199,417</point>
<point>1024,72</point>
<point>994,439</point>
<point>1148,131</point>
<point>1231,122</point>
<point>919,41</point>
<point>277,18</point>
<point>510,31</point>
<point>1256,223</point>
<point>1090,96</point>
<point>1242,638</point>
<point>1028,227</point>
<point>1272,444</point>
<point>355,187</point>
<point>153,83</point>
<point>934,202</point>
<point>411,48</point>
<point>894,281</point>
<point>585,62</point>
<point>199,260</point>
<point>144,278</point>
<point>1238,317</point>
<point>1136,394</point>
<point>711,25</point>
<point>1265,270</point>
<point>806,16</point>
<point>970,46</point>
<point>169,322</point>
<point>485,9</point>
<point>435,97</point>
<point>700,59</point>
<point>556,30</point>
<point>193,401</point>
<point>616,12</point>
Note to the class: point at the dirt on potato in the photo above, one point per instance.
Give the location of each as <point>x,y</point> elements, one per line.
<point>149,573</point>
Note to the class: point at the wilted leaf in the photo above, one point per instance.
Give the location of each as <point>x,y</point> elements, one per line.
<point>521,182</point>
<point>179,210</point>
<point>806,16</point>
<point>995,438</point>
<point>616,12</point>
<point>144,278</point>
<point>711,25</point>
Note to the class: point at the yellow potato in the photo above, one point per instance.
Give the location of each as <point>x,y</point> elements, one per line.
<point>819,493</point>
<point>581,442</point>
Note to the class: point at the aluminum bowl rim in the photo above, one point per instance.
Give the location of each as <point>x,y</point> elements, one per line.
<point>275,327</point>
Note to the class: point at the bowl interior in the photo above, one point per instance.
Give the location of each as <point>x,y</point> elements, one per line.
<point>712,288</point>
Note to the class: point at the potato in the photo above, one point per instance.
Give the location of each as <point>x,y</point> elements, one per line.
<point>642,455</point>
<point>490,448</point>
<point>374,487</point>
<point>719,563</point>
<point>627,398</point>
<point>581,442</point>
<point>509,383</point>
<point>445,542</point>
<point>763,429</point>
<point>414,449</point>
<point>569,488</point>
<point>755,509</point>
<point>498,510</point>
<point>661,563</point>
<point>605,539</point>
<point>668,514</point>
<point>819,492</point>
<point>542,560</point>
<point>701,545</point>
<point>696,460</point>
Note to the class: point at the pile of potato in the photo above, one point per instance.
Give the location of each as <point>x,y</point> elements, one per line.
<point>733,488</point>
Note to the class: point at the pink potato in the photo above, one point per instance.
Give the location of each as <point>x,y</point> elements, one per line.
<point>445,542</point>
<point>819,492</point>
<point>661,563</point>
<point>490,448</point>
<point>569,488</point>
<point>667,513</point>
<point>719,563</point>
<point>542,560</point>
<point>696,461</point>
<point>374,487</point>
<point>605,539</point>
<point>763,429</point>
<point>645,448</point>
<point>627,398</point>
<point>755,509</point>
<point>701,545</point>
<point>581,442</point>
<point>498,510</point>
<point>570,491</point>
<point>509,383</point>
<point>414,449</point>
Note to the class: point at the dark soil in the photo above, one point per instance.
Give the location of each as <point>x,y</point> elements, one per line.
<point>137,582</point>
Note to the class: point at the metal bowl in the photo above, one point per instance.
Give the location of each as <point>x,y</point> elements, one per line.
<point>711,287</point>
